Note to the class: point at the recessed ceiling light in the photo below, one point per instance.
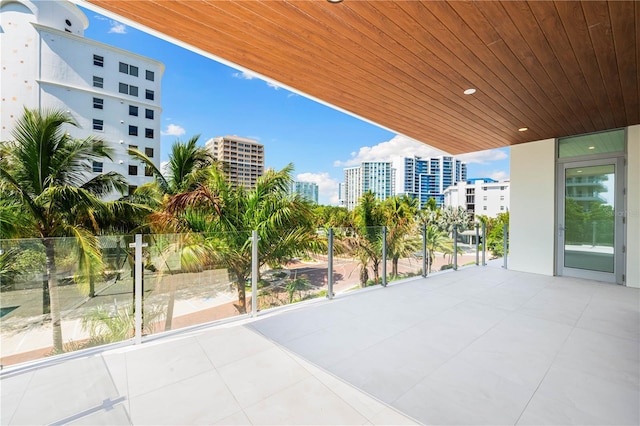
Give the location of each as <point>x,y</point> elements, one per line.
<point>334,1</point>
<point>592,147</point>
<point>523,129</point>
<point>470,91</point>
<point>579,171</point>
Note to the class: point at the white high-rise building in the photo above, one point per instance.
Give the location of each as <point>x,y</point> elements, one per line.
<point>243,158</point>
<point>483,196</point>
<point>111,93</point>
<point>375,176</point>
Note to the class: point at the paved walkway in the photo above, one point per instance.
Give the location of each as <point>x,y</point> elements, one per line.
<point>476,346</point>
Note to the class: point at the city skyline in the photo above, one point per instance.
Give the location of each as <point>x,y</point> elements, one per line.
<point>202,96</point>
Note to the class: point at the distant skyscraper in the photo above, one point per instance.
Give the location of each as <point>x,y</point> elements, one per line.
<point>374,176</point>
<point>243,158</point>
<point>113,94</point>
<point>341,194</point>
<point>306,189</point>
<point>425,178</point>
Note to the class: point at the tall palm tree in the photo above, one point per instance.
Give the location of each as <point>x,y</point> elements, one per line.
<point>46,172</point>
<point>227,214</point>
<point>400,214</point>
<point>368,218</point>
<point>436,241</point>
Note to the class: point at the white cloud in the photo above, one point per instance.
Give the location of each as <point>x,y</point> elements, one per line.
<point>392,150</point>
<point>483,157</point>
<point>327,186</point>
<point>499,175</point>
<point>245,75</point>
<point>117,28</point>
<point>173,130</point>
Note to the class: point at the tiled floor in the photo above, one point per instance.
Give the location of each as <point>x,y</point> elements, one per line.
<point>475,346</point>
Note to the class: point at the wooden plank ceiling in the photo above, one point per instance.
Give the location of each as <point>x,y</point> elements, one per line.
<point>557,67</point>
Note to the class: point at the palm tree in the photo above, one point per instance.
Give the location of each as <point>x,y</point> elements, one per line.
<point>436,241</point>
<point>400,213</point>
<point>368,218</point>
<point>46,172</point>
<point>227,214</point>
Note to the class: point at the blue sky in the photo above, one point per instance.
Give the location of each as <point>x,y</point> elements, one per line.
<point>202,96</point>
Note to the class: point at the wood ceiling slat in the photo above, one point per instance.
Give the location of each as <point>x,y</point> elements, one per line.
<point>452,60</point>
<point>622,24</point>
<point>437,82</point>
<point>553,28</point>
<point>518,56</point>
<point>576,28</point>
<point>532,33</point>
<point>486,51</point>
<point>560,68</point>
<point>597,16</point>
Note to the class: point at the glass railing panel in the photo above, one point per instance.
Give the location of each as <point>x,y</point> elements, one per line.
<point>186,281</point>
<point>301,275</point>
<point>404,252</point>
<point>59,295</point>
<point>357,259</point>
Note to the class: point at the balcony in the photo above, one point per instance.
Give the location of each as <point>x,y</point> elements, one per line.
<point>480,345</point>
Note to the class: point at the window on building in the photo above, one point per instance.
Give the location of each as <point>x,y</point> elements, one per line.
<point>98,124</point>
<point>502,188</point>
<point>133,170</point>
<point>149,94</point>
<point>150,75</point>
<point>148,113</point>
<point>484,207</point>
<point>98,82</point>
<point>484,198</point>
<point>98,103</point>
<point>98,60</point>
<point>97,167</point>
<point>128,69</point>
<point>133,130</point>
<point>132,189</point>
<point>148,133</point>
<point>148,171</point>
<point>133,110</point>
<point>128,89</point>
<point>148,152</point>
<point>502,198</point>
<point>502,208</point>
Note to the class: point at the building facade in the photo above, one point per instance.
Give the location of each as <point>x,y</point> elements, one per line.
<point>112,94</point>
<point>424,178</point>
<point>375,176</point>
<point>243,158</point>
<point>481,197</point>
<point>307,190</point>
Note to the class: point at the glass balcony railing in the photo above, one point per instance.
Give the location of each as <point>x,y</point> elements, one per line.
<point>59,296</point>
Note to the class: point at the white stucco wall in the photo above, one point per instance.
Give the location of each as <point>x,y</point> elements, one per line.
<point>633,206</point>
<point>532,214</point>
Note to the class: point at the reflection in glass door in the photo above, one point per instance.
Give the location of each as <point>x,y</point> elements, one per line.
<point>590,230</point>
<point>589,217</point>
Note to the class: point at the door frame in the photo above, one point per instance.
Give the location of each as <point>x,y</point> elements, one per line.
<point>618,161</point>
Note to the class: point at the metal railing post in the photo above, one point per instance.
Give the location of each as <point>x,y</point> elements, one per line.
<point>254,273</point>
<point>384,256</point>
<point>505,240</point>
<point>137,288</point>
<point>484,243</point>
<point>424,249</point>
<point>477,243</point>
<point>330,265</point>
<point>455,247</point>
